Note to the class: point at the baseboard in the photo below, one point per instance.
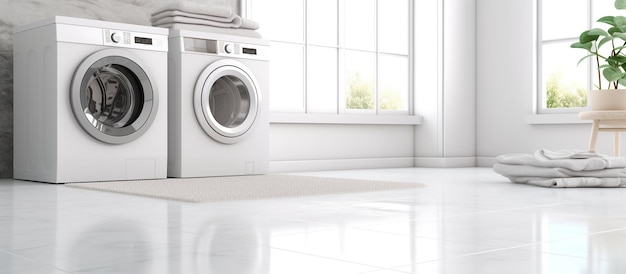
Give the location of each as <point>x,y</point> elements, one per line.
<point>374,163</point>
<point>445,162</point>
<point>485,161</point>
<point>340,164</point>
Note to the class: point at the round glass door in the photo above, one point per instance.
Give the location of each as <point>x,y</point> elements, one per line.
<point>226,101</point>
<point>112,97</point>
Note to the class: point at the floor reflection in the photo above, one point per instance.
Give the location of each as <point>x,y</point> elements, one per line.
<point>216,244</point>
<point>464,221</point>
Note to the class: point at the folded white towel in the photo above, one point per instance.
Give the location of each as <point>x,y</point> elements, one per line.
<point>568,154</point>
<point>171,13</point>
<point>187,12</point>
<point>198,8</point>
<point>237,22</point>
<point>186,20</point>
<point>555,172</point>
<point>228,31</point>
<point>570,159</point>
<point>249,24</point>
<point>571,182</point>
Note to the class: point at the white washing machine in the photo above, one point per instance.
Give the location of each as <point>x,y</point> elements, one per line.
<point>90,101</point>
<point>218,105</point>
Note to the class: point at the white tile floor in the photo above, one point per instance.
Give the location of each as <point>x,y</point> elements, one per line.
<point>464,221</point>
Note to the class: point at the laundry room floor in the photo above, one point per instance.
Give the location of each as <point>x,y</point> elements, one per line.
<point>467,220</point>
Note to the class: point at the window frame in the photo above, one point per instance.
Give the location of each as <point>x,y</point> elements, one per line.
<point>340,108</point>
<point>540,93</point>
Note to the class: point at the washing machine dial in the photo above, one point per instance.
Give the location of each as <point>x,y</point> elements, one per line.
<point>228,48</point>
<point>116,37</point>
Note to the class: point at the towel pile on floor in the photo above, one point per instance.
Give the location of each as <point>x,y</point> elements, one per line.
<point>563,168</point>
<point>213,18</point>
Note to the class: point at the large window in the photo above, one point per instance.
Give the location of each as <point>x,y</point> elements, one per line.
<point>337,56</point>
<point>563,83</point>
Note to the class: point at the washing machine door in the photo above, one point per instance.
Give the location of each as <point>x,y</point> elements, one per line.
<point>112,97</point>
<point>227,100</point>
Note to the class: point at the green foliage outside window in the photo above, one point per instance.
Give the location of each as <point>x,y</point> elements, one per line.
<point>560,94</point>
<point>361,95</point>
<point>390,99</point>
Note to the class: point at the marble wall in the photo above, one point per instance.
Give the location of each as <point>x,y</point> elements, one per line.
<point>19,12</point>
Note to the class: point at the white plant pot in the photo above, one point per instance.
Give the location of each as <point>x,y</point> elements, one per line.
<point>607,99</point>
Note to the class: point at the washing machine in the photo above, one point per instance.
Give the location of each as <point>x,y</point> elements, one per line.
<point>218,104</point>
<point>90,101</point>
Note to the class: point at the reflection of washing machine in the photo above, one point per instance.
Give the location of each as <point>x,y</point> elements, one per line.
<point>218,100</point>
<point>245,252</point>
<point>86,101</point>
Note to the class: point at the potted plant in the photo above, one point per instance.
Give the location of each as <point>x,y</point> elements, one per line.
<point>608,50</point>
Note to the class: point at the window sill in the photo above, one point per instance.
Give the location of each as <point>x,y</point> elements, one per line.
<point>343,119</point>
<point>555,119</point>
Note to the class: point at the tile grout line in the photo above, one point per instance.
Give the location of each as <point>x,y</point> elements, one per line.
<point>31,260</point>
<point>543,242</point>
<point>324,257</point>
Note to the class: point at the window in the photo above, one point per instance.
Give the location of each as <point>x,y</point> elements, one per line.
<point>562,82</point>
<point>337,56</point>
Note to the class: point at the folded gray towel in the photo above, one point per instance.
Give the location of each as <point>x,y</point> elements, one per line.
<point>571,182</point>
<point>515,171</point>
<point>575,160</point>
<point>203,28</point>
<point>563,168</point>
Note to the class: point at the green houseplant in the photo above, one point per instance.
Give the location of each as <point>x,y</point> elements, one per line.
<point>608,49</point>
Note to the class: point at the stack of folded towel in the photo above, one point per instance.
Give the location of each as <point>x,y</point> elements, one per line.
<point>564,168</point>
<point>202,17</point>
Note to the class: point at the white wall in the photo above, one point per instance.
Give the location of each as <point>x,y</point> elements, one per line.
<point>428,73</point>
<point>445,86</point>
<point>459,78</point>
<point>505,88</point>
<point>307,147</point>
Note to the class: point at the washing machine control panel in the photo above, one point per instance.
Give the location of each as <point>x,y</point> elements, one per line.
<point>225,48</point>
<point>129,39</point>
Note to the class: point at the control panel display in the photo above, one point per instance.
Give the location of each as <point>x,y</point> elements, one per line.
<point>143,40</point>
<point>249,51</point>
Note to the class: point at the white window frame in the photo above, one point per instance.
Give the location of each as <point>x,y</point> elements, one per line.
<point>375,116</point>
<point>540,93</point>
